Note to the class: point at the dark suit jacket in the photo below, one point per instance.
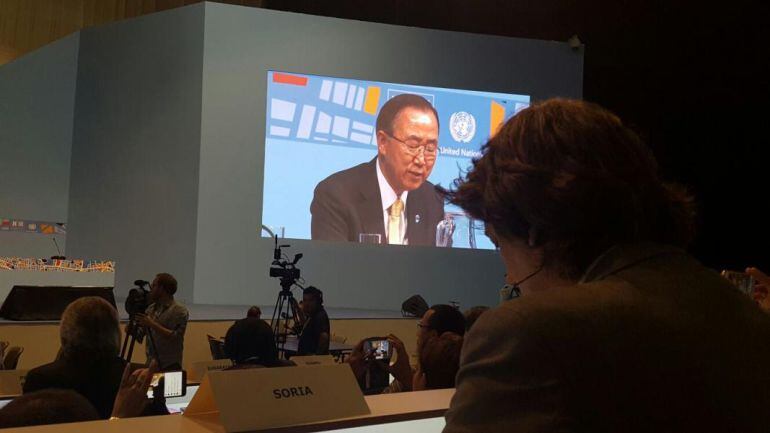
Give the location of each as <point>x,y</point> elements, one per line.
<point>348,203</point>
<point>251,340</point>
<point>96,381</point>
<point>648,341</point>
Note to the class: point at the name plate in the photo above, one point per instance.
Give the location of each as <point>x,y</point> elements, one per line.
<point>263,398</point>
<point>11,382</point>
<point>310,360</point>
<point>200,368</point>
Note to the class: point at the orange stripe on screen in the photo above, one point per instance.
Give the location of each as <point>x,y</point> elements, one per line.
<point>297,80</point>
<point>372,100</point>
<point>496,116</point>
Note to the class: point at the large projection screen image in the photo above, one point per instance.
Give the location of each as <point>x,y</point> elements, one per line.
<point>362,161</point>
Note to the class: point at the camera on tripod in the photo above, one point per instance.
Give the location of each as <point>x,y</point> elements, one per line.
<point>136,303</point>
<point>286,307</point>
<point>138,299</point>
<point>283,268</point>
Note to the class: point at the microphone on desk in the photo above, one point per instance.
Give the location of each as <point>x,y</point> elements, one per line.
<point>59,256</point>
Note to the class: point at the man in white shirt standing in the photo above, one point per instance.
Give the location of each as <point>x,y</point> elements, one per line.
<point>389,198</point>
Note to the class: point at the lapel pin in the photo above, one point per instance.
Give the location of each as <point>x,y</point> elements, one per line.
<point>417,219</point>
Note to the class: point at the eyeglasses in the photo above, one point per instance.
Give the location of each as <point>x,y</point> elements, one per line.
<point>413,147</point>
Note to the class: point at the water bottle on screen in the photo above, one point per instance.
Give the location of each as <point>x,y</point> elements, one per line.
<point>457,230</point>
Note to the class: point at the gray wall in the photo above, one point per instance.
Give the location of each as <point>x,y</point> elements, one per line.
<point>133,195</point>
<point>20,244</point>
<point>241,45</point>
<point>168,146</point>
<point>37,97</point>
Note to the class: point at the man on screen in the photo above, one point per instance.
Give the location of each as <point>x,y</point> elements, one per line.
<point>388,199</point>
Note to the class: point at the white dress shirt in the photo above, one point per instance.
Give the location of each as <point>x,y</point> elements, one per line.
<point>389,197</point>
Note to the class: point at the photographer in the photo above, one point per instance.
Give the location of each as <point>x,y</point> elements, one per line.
<point>166,321</point>
<point>439,339</point>
<point>314,339</point>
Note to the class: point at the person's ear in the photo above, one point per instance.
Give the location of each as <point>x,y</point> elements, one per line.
<point>533,238</point>
<point>382,140</point>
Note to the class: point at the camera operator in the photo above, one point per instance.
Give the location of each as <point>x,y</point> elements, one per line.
<point>314,339</point>
<point>166,321</point>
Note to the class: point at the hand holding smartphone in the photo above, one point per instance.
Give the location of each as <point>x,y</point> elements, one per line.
<point>378,348</point>
<point>174,384</point>
<point>741,280</point>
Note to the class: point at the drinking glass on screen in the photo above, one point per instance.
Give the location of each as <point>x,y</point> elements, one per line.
<point>369,238</point>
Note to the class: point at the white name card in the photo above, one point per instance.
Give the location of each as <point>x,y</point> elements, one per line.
<point>200,368</point>
<point>11,382</point>
<point>310,360</point>
<point>262,398</point>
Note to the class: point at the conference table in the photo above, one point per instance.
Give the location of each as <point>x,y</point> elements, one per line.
<point>58,282</point>
<point>407,412</point>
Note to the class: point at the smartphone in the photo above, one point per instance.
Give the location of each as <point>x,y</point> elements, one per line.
<point>741,280</point>
<point>174,384</point>
<point>379,347</point>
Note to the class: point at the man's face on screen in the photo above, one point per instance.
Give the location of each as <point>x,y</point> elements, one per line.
<point>408,154</point>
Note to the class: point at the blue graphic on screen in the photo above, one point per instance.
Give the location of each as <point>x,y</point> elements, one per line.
<point>318,126</point>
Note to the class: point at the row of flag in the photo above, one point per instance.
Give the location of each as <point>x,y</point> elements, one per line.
<point>56,265</point>
<point>26,226</point>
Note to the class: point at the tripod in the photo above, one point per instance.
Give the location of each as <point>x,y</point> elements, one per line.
<point>286,307</point>
<point>132,335</point>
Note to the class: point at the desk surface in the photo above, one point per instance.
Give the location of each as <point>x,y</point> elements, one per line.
<point>292,342</point>
<point>385,408</point>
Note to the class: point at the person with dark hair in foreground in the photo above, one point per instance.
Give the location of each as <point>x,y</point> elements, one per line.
<point>473,314</point>
<point>439,361</point>
<point>440,324</point>
<point>316,332</point>
<point>166,320</point>
<point>389,196</point>
<point>617,328</point>
<point>50,406</point>
<point>88,361</point>
<point>251,341</point>
<point>437,321</point>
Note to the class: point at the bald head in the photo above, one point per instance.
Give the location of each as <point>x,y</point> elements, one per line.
<point>254,312</point>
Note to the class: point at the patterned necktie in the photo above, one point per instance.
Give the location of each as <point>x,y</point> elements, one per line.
<point>394,222</point>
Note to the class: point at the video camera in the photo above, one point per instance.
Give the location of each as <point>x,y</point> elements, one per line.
<point>136,303</point>
<point>283,268</point>
<point>138,299</point>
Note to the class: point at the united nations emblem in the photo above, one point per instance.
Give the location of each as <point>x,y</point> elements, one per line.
<point>462,126</point>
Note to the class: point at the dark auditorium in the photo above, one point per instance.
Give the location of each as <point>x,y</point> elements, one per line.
<point>390,216</point>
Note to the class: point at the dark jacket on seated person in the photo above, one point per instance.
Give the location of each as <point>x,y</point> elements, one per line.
<point>251,341</point>
<point>96,380</point>
<point>648,341</point>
